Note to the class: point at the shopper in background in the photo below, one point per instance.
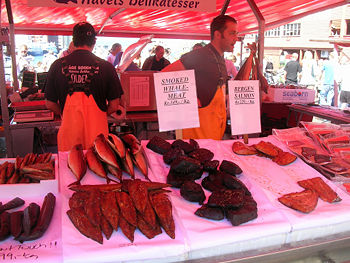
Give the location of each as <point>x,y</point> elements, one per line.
<point>115,54</point>
<point>345,83</point>
<point>156,62</point>
<point>133,65</point>
<point>48,59</point>
<point>24,61</point>
<point>231,68</point>
<point>69,50</point>
<point>84,89</point>
<point>328,76</point>
<point>308,72</point>
<point>292,70</point>
<point>268,70</point>
<point>211,78</point>
<point>197,46</point>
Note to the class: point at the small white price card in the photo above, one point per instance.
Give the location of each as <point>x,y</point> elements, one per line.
<point>244,106</point>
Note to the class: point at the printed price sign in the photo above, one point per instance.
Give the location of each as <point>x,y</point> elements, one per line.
<point>139,91</point>
<point>176,97</point>
<point>244,106</point>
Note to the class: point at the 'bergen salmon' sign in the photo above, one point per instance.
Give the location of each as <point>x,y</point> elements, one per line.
<point>184,5</point>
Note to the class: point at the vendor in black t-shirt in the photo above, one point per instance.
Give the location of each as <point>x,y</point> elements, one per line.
<point>156,62</point>
<point>84,89</point>
<point>210,71</point>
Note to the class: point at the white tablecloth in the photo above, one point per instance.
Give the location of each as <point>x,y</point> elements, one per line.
<point>196,237</point>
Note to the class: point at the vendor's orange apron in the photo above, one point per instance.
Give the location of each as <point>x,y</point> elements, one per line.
<point>212,119</point>
<point>82,120</point>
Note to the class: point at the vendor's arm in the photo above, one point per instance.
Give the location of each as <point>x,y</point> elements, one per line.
<point>53,106</point>
<point>112,106</point>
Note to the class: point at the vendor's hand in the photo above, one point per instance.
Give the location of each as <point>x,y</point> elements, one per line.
<point>119,114</point>
<point>199,103</point>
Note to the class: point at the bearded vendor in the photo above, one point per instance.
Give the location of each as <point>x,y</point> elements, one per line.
<point>83,89</point>
<point>211,78</point>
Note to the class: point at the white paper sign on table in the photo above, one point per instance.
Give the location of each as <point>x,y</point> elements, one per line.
<point>244,106</point>
<point>176,97</point>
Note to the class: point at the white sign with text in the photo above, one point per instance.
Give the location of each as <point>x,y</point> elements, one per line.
<point>176,98</point>
<point>244,106</point>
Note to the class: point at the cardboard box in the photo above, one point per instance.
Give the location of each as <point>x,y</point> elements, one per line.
<point>32,189</point>
<point>290,95</point>
<point>138,87</point>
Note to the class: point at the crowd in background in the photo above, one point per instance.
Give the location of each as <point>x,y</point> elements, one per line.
<point>329,76</point>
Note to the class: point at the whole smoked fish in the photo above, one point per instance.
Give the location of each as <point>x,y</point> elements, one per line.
<point>77,163</point>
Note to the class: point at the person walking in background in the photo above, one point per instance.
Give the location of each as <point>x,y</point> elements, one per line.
<point>292,70</point>
<point>231,68</point>
<point>24,61</point>
<point>308,72</point>
<point>48,59</point>
<point>268,70</point>
<point>345,83</point>
<point>328,75</point>
<point>84,89</point>
<point>197,46</point>
<point>115,54</point>
<point>235,62</point>
<point>209,66</point>
<point>156,62</point>
<point>69,50</point>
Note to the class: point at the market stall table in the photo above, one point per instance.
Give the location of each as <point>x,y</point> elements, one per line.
<point>333,114</point>
<point>277,228</point>
<point>278,232</point>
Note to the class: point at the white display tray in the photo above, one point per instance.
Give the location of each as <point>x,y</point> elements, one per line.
<point>207,238</point>
<point>78,248</point>
<point>48,248</point>
<point>275,180</point>
<point>32,189</point>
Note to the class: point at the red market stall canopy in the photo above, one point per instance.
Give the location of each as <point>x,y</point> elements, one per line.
<point>162,22</point>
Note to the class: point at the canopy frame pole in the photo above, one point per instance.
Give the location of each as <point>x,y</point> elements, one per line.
<point>224,8</point>
<point>4,103</point>
<point>110,17</point>
<point>261,34</point>
<point>12,45</point>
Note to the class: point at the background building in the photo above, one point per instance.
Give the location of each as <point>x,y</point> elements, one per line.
<point>316,33</point>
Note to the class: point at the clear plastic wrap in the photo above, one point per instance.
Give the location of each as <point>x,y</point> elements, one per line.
<point>132,52</point>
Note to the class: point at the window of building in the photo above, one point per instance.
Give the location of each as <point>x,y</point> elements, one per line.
<point>347,31</point>
<point>291,29</point>
<point>335,27</point>
<point>276,32</point>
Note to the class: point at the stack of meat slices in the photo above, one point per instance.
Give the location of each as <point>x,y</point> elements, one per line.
<point>306,200</point>
<point>230,198</point>
<point>97,209</point>
<point>264,149</point>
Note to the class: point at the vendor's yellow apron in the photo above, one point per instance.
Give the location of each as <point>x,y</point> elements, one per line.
<point>212,119</point>
<point>82,120</point>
